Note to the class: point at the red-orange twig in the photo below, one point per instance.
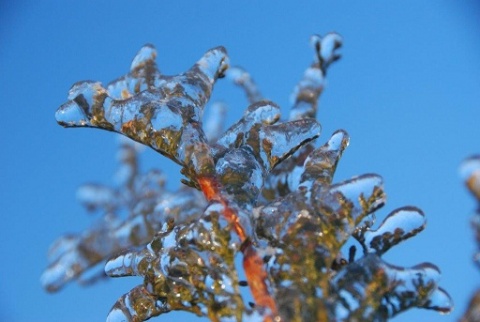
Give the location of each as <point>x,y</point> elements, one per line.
<point>252,262</point>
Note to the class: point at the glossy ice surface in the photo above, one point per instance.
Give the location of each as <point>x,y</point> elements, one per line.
<point>261,191</point>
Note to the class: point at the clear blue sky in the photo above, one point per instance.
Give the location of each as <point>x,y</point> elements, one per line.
<point>407,90</point>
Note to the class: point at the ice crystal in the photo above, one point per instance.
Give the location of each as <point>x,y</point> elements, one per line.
<point>470,171</point>
<point>261,192</point>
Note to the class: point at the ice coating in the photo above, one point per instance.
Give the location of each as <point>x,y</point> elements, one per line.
<point>285,178</point>
<point>306,95</point>
<point>257,114</point>
<point>311,86</point>
<point>164,112</point>
<point>73,256</point>
<point>260,197</point>
<point>398,226</point>
<point>353,199</point>
<point>187,268</point>
<point>143,75</point>
<point>241,174</point>
<point>94,196</point>
<point>137,305</point>
<point>278,141</point>
<point>326,48</point>
<point>243,79</point>
<point>336,214</point>
<point>439,300</point>
<point>393,289</point>
<point>321,164</point>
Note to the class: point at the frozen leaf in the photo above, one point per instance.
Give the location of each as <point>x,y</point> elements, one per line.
<point>243,79</point>
<point>372,290</point>
<point>352,200</point>
<point>143,75</point>
<point>399,225</point>
<point>93,196</point>
<point>321,164</point>
<point>166,116</point>
<point>257,114</point>
<point>264,202</point>
<point>277,142</point>
<point>131,217</point>
<point>311,86</point>
<point>189,268</point>
<point>136,305</point>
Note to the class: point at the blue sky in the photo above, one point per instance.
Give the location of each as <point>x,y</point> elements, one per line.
<point>407,90</point>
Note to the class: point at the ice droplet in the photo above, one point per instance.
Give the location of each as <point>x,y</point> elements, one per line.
<point>440,301</point>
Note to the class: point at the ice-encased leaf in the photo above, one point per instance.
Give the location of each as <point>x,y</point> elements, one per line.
<point>144,59</point>
<point>143,75</point>
<point>321,164</point>
<point>353,199</point>
<point>398,226</point>
<point>270,143</point>
<point>188,267</point>
<point>264,191</point>
<point>372,290</point>
<point>241,174</point>
<point>326,48</point>
<point>311,86</point>
<point>136,305</point>
<point>166,117</point>
<point>257,114</point>
<point>94,196</point>
<point>131,217</point>
<point>286,178</point>
<point>72,256</point>
<point>277,142</point>
<point>243,79</point>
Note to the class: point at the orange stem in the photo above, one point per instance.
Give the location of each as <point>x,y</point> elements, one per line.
<point>252,262</point>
